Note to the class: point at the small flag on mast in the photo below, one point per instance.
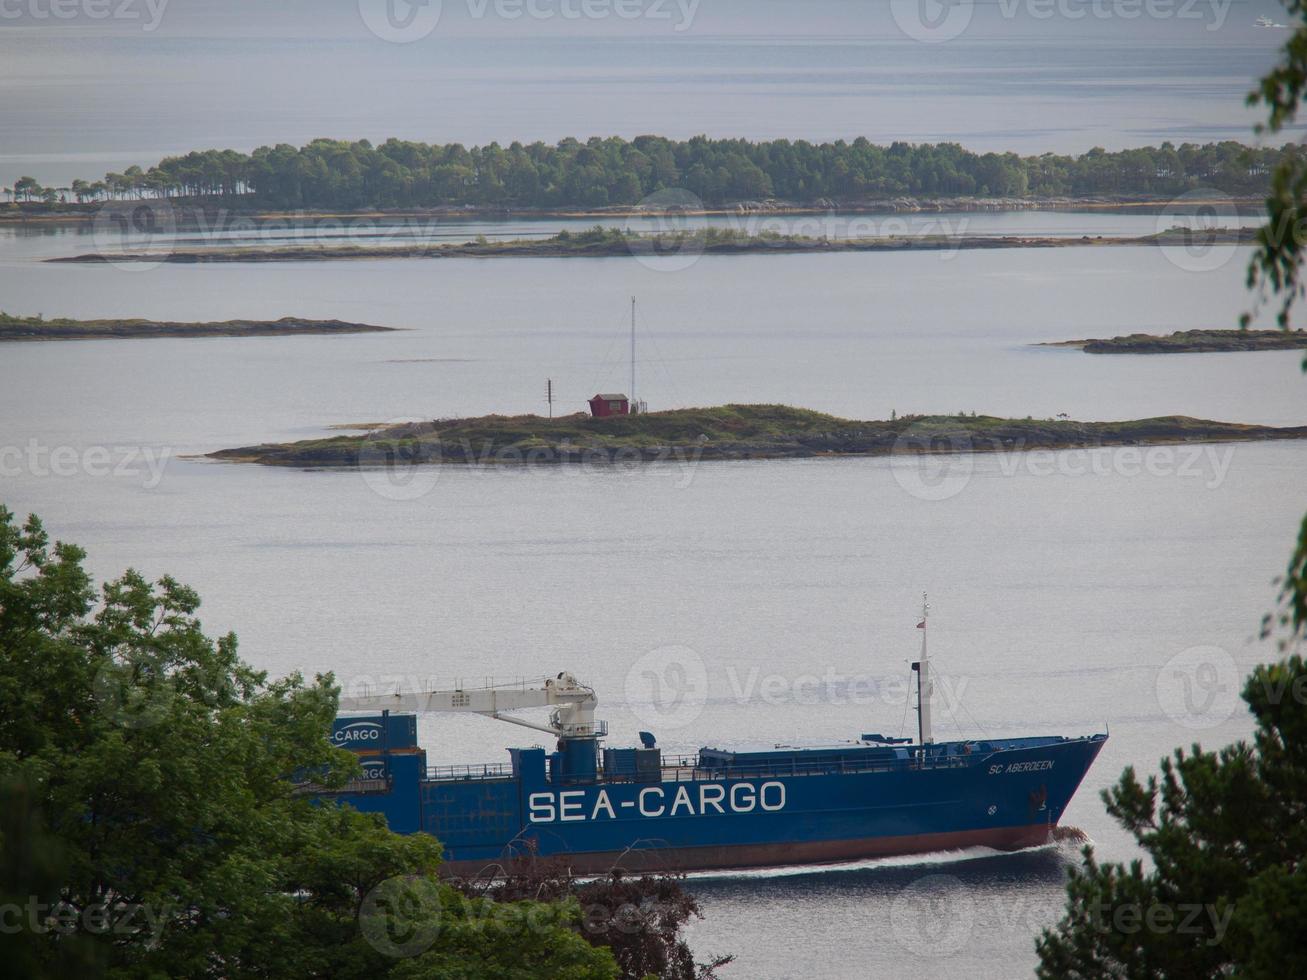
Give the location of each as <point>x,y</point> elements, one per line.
<point>921,625</point>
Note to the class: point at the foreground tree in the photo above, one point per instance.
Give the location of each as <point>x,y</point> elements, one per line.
<point>1226,895</point>
<point>1227,891</point>
<point>148,826</point>
<point>639,918</point>
<point>1277,264</point>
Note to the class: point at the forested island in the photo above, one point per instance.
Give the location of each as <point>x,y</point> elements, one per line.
<point>340,175</point>
<point>1191,342</point>
<point>724,432</point>
<point>61,328</point>
<point>600,242</point>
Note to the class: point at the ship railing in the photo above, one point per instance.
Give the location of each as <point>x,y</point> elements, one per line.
<point>492,770</point>
<point>594,729</point>
<point>359,786</point>
<point>689,769</point>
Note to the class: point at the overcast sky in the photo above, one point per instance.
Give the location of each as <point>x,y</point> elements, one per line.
<point>90,85</point>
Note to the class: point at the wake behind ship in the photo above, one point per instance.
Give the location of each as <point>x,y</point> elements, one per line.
<point>602,808</point>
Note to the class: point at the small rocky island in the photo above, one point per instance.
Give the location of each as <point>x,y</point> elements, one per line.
<point>39,328</point>
<point>1192,342</point>
<point>725,432</point>
<point>600,242</point>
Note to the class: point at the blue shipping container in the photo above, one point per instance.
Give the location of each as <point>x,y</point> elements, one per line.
<point>368,734</point>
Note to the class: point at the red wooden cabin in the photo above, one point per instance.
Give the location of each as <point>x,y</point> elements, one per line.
<point>602,406</point>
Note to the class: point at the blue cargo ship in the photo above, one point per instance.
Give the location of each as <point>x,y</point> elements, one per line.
<point>600,808</point>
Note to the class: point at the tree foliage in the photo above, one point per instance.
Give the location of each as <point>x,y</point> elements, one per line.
<point>639,918</point>
<point>1276,266</point>
<point>149,825</point>
<point>1227,891</point>
<point>338,174</point>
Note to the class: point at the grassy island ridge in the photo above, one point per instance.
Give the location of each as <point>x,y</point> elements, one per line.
<point>1191,342</point>
<point>61,328</point>
<point>600,242</point>
<point>725,432</point>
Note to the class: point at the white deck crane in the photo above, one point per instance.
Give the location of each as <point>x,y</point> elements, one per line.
<point>573,703</point>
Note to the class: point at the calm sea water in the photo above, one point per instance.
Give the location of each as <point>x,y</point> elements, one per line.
<point>857,335</point>
<point>1072,592</point>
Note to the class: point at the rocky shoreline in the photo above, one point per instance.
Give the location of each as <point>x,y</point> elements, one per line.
<point>1192,342</point>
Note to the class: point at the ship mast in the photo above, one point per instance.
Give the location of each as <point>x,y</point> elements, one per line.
<point>922,667</point>
<point>632,402</point>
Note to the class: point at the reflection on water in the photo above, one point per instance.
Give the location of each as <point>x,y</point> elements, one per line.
<point>928,918</point>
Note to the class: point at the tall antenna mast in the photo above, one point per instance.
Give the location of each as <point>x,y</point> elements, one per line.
<point>922,667</point>
<point>632,351</point>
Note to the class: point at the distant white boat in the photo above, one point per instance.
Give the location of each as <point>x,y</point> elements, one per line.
<point>1267,22</point>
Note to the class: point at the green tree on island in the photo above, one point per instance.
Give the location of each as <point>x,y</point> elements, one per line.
<point>1226,891</point>
<point>343,174</point>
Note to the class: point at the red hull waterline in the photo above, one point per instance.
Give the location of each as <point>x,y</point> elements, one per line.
<point>745,856</point>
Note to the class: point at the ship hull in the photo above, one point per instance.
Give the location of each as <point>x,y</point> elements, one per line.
<point>772,855</point>
<point>1006,795</point>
